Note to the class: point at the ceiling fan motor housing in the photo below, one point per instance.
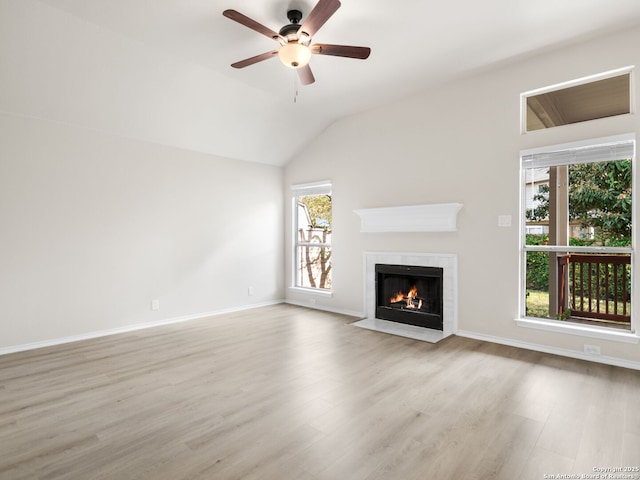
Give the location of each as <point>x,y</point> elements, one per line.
<point>294,17</point>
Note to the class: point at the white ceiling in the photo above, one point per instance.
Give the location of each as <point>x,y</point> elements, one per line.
<point>250,113</point>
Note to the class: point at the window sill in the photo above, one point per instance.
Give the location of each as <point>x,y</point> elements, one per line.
<point>312,291</point>
<point>582,330</point>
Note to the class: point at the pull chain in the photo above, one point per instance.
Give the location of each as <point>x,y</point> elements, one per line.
<point>295,89</point>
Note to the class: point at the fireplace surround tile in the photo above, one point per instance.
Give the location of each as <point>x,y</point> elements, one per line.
<point>448,262</point>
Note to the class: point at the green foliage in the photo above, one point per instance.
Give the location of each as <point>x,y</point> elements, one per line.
<point>581,242</point>
<point>538,264</point>
<point>599,197</point>
<point>319,207</point>
<point>541,212</point>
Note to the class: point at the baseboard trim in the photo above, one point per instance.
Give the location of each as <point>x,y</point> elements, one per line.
<point>461,333</point>
<point>130,328</point>
<point>350,313</point>
<point>617,362</point>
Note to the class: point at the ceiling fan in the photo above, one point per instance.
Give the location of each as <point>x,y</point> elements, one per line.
<point>295,50</point>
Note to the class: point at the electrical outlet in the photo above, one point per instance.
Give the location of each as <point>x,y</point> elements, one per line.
<point>155,304</point>
<point>592,349</point>
<point>250,291</point>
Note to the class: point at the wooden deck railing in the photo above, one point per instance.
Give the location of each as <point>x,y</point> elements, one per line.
<point>595,286</point>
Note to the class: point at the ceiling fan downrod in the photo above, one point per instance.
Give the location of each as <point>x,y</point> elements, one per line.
<point>294,17</point>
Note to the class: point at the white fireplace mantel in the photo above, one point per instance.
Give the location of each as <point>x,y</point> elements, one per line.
<point>441,217</point>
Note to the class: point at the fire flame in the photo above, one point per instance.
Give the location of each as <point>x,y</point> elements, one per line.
<point>397,298</point>
<point>413,293</point>
<point>408,298</point>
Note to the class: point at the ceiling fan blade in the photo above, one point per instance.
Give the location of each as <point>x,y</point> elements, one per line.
<point>318,16</point>
<point>258,58</point>
<point>341,50</point>
<point>252,24</point>
<point>306,75</point>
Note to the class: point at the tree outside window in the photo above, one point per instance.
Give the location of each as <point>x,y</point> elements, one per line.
<point>578,243</point>
<point>313,225</point>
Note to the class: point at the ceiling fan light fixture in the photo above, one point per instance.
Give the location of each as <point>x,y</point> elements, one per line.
<point>294,39</point>
<point>294,55</point>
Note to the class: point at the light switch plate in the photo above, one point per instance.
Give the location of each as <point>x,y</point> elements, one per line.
<point>504,220</point>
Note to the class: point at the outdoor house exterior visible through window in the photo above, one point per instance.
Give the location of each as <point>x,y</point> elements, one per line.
<point>600,96</point>
<point>577,252</point>
<point>313,225</point>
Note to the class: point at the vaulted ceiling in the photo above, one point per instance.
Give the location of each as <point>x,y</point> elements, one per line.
<point>159,70</point>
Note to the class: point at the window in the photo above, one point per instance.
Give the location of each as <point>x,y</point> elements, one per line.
<point>600,96</point>
<point>577,242</point>
<point>312,231</point>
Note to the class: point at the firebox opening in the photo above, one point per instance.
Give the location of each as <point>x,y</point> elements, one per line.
<point>410,295</point>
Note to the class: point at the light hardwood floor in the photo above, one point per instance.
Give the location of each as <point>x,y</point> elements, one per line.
<point>284,392</point>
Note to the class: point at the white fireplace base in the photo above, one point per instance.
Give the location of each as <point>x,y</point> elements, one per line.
<point>449,264</point>
<point>401,329</point>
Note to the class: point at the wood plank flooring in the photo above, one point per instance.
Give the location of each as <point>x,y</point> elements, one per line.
<point>284,392</point>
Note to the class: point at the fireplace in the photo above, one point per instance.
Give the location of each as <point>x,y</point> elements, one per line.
<point>409,294</point>
<point>439,280</point>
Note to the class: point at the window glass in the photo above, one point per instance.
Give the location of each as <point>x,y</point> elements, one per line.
<point>593,202</point>
<point>314,228</point>
<point>584,100</point>
<point>577,248</point>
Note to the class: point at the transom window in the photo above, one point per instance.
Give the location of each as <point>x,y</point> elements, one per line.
<point>599,96</point>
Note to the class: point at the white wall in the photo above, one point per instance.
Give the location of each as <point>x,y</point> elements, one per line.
<point>95,226</point>
<point>57,66</point>
<point>458,143</point>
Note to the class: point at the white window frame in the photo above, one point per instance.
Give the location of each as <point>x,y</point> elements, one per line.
<point>606,148</point>
<point>299,190</point>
